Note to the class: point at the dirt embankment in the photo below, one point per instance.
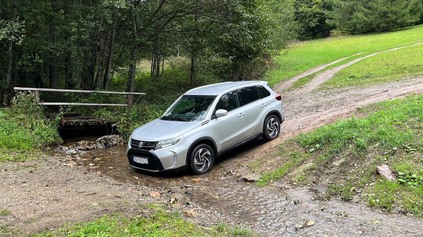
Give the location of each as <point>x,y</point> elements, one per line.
<point>57,190</point>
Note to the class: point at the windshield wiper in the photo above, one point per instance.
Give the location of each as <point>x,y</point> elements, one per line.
<point>176,117</point>
<point>168,117</point>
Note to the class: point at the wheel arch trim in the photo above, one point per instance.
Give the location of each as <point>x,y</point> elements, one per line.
<point>207,140</point>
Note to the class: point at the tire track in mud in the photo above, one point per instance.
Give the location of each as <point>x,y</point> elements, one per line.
<point>290,82</point>
<point>327,75</point>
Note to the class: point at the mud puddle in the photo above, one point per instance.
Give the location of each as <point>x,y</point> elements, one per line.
<point>113,162</point>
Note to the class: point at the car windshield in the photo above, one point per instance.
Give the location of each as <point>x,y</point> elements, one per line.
<point>189,108</point>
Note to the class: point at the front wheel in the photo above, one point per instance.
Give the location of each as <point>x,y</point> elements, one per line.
<point>271,128</point>
<point>201,159</point>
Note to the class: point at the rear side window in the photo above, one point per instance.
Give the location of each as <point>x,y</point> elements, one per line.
<point>248,95</point>
<point>263,91</point>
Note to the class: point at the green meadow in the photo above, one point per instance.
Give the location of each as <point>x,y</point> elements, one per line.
<point>302,56</point>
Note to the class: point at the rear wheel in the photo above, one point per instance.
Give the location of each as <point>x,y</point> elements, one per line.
<point>271,128</point>
<point>201,159</point>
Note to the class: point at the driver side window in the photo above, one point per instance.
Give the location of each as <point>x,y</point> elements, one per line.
<point>228,101</point>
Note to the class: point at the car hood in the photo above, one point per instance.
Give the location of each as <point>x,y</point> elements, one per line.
<point>158,130</point>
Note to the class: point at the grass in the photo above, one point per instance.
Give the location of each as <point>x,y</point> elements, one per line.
<point>5,212</point>
<point>385,67</point>
<point>301,56</point>
<point>19,155</point>
<point>345,154</point>
<point>157,222</point>
<point>23,128</point>
<point>294,160</point>
<point>303,81</point>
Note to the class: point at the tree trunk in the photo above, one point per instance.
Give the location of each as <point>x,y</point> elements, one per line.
<point>54,59</point>
<point>54,73</point>
<point>9,75</point>
<point>131,74</point>
<point>10,63</point>
<point>155,60</point>
<point>91,68</point>
<point>100,70</point>
<point>131,79</point>
<point>88,71</point>
<point>69,82</point>
<point>133,60</point>
<point>85,74</point>
<point>193,69</point>
<point>109,61</point>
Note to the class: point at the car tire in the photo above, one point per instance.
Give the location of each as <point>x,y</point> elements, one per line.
<point>201,159</point>
<point>272,127</point>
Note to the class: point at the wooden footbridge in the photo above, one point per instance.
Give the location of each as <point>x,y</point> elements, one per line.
<point>76,123</point>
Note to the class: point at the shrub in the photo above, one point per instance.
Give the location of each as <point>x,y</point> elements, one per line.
<point>24,126</point>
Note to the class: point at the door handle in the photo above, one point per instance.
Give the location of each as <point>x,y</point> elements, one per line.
<point>241,115</point>
<point>263,105</point>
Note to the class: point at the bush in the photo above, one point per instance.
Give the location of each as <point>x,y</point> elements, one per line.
<point>24,126</point>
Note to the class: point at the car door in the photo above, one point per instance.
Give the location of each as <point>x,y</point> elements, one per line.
<point>252,107</point>
<point>229,129</point>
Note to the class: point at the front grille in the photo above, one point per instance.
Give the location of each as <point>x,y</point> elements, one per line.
<point>143,145</point>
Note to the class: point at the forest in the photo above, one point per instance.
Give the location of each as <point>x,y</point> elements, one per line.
<point>87,44</point>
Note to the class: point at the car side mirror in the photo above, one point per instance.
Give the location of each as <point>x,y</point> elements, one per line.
<point>221,113</point>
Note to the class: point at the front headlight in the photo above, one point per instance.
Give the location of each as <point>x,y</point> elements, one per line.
<point>167,143</point>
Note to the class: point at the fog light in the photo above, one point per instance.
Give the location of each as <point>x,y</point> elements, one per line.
<point>174,157</point>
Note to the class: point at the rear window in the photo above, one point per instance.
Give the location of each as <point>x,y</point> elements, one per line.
<point>263,91</point>
<point>248,95</point>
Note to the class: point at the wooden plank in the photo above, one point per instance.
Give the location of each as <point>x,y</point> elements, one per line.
<point>78,104</point>
<point>77,91</point>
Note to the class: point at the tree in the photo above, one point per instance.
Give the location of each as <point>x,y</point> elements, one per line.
<point>252,30</point>
<point>311,18</point>
<point>12,33</point>
<point>359,16</point>
<point>79,44</point>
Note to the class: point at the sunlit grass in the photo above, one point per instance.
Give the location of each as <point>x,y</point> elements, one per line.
<point>301,56</point>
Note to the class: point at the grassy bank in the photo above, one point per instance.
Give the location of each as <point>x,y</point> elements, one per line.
<point>301,56</point>
<point>24,130</point>
<point>345,155</point>
<point>155,222</point>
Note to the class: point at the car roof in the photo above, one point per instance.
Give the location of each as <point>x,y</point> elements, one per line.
<point>215,89</point>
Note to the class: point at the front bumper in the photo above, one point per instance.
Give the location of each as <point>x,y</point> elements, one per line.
<point>170,158</point>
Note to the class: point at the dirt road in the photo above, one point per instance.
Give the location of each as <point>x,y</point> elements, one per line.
<point>55,190</point>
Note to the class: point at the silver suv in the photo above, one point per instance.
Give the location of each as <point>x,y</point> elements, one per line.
<point>203,123</point>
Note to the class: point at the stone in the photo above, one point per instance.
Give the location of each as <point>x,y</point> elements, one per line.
<point>190,213</point>
<point>386,172</point>
<point>155,194</point>
<point>309,223</point>
<point>251,178</point>
<point>86,145</point>
<point>108,141</point>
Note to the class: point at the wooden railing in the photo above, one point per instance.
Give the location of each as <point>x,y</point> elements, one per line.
<point>38,90</point>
